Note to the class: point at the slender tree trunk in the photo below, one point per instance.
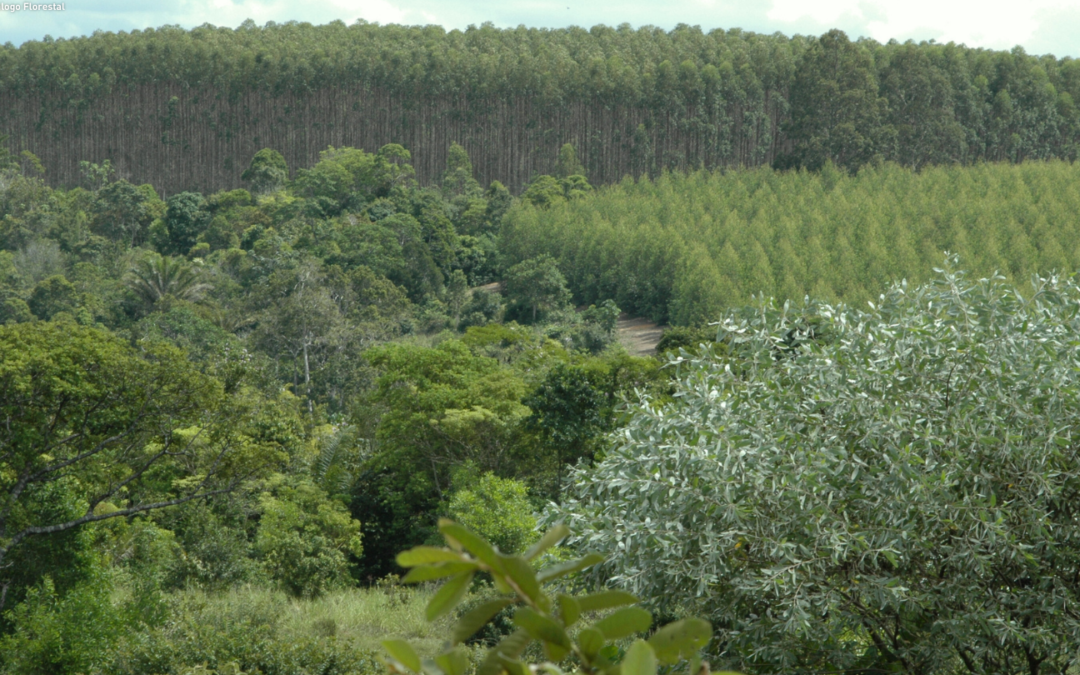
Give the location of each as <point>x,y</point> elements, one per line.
<point>307,379</point>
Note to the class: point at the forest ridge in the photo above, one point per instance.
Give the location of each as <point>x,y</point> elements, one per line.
<point>186,110</point>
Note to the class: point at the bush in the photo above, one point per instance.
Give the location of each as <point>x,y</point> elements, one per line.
<point>538,617</point>
<point>900,496</point>
<point>235,633</point>
<point>684,337</point>
<point>497,509</point>
<point>305,538</point>
<point>61,633</point>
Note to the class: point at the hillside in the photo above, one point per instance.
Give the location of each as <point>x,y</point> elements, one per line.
<point>186,110</point>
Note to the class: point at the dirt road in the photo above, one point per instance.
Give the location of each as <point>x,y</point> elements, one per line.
<point>639,335</point>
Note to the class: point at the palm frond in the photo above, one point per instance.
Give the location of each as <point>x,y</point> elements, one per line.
<point>156,277</point>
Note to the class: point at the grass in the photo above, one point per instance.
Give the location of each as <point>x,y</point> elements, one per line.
<point>359,617</point>
<point>366,616</point>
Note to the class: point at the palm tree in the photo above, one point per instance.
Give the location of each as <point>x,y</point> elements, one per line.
<point>156,277</point>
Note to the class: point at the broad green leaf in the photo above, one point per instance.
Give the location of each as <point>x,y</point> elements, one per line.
<point>541,627</point>
<point>521,573</point>
<point>474,619</point>
<point>500,584</point>
<point>554,652</point>
<point>453,662</point>
<point>570,608</point>
<point>426,555</point>
<point>605,600</point>
<point>591,641</point>
<point>639,660</point>
<point>447,597</point>
<point>403,652</point>
<point>624,622</point>
<point>430,572</point>
<point>550,538</point>
<point>569,567</point>
<point>472,542</point>
<point>509,647</point>
<point>515,667</point>
<point>680,640</point>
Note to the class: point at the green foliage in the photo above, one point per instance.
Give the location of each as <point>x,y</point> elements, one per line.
<point>242,632</point>
<point>67,559</point>
<point>305,539</point>
<point>122,212</point>
<point>157,279</point>
<point>544,192</point>
<point>347,178</point>
<point>52,296</point>
<point>213,548</point>
<point>539,617</point>
<point>122,430</point>
<point>484,307</point>
<point>267,172</point>
<point>7,160</point>
<point>458,179</point>
<point>632,101</point>
<point>186,217</point>
<point>598,327</point>
<point>690,339</point>
<point>96,176</point>
<point>896,497</point>
<point>685,247</point>
<point>837,114</point>
<point>498,509</point>
<point>61,634</point>
<point>567,164</point>
<point>15,310</point>
<point>567,414</point>
<point>441,407</point>
<point>535,287</point>
<point>220,235</point>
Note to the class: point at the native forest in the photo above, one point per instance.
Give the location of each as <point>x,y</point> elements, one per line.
<point>388,350</point>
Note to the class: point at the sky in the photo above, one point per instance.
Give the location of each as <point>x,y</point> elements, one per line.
<point>1039,26</point>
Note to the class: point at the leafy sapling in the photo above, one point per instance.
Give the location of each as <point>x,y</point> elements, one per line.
<point>538,616</point>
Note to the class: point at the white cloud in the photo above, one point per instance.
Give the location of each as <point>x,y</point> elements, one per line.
<point>235,12</point>
<point>1041,26</point>
<point>996,24</point>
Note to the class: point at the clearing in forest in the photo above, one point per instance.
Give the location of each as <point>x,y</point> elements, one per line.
<point>639,335</point>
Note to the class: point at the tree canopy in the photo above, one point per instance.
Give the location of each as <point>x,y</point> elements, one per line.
<point>891,489</point>
<point>119,431</point>
<point>631,101</point>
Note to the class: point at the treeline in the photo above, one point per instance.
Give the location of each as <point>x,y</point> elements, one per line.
<point>684,247</point>
<point>186,109</point>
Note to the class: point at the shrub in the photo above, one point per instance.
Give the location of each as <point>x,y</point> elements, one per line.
<point>240,633</point>
<point>539,617</point>
<point>61,633</point>
<point>305,538</point>
<point>900,496</point>
<point>497,509</point>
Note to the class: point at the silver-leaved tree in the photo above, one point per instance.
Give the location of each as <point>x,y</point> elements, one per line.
<point>896,489</point>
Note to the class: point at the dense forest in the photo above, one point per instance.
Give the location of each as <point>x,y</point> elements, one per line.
<point>226,412</point>
<point>185,110</point>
